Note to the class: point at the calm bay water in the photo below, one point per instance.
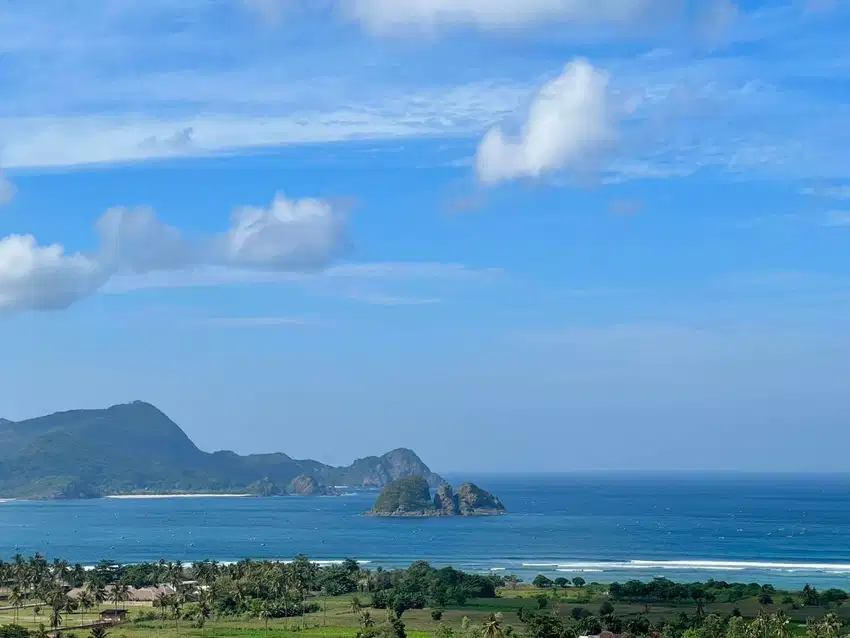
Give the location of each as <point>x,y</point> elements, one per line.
<point>785,530</point>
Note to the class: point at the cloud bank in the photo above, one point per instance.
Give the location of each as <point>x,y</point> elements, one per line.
<point>382,16</point>
<point>288,236</point>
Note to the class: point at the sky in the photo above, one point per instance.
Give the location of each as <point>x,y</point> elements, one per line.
<point>513,235</point>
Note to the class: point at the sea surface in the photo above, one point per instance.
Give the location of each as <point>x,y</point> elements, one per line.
<point>786,530</point>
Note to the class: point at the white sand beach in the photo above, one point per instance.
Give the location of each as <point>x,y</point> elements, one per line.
<point>148,496</point>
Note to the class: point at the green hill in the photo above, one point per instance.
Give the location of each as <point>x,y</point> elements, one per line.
<point>135,448</point>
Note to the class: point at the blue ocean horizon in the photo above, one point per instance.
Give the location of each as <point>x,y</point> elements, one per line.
<point>783,529</point>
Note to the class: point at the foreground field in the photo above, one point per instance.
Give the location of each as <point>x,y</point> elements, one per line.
<point>336,620</point>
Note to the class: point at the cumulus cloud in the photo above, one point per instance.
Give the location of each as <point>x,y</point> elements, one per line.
<point>570,122</point>
<point>7,190</point>
<point>385,15</point>
<point>135,240</point>
<point>289,236</point>
<point>34,277</point>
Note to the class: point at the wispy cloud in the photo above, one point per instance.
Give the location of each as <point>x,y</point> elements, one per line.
<point>97,86</point>
<point>392,300</point>
<point>7,190</point>
<point>829,192</point>
<point>256,322</point>
<point>837,218</point>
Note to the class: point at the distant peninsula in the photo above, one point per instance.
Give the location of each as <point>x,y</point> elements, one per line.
<point>135,449</point>
<point>411,496</point>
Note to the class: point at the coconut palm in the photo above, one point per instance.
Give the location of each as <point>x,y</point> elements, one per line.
<point>203,613</point>
<point>55,616</point>
<point>366,619</point>
<point>16,599</point>
<point>355,605</point>
<point>96,591</point>
<point>781,625</point>
<point>69,605</point>
<point>493,627</point>
<point>162,602</point>
<point>831,625</point>
<point>85,603</point>
<point>265,612</point>
<point>815,628</point>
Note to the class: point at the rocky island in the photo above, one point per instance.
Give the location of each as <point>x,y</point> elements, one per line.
<point>411,496</point>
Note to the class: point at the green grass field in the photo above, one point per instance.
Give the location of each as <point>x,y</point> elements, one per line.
<point>336,621</point>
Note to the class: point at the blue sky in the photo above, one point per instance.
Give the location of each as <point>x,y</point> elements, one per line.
<point>512,235</point>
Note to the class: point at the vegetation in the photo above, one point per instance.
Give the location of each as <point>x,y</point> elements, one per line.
<point>411,497</point>
<point>299,599</point>
<point>405,496</point>
<point>136,448</point>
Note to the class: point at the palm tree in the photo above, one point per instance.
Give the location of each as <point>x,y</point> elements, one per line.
<point>61,571</point>
<point>85,603</point>
<point>814,628</point>
<point>355,605</point>
<point>119,593</point>
<point>203,613</point>
<point>96,590</point>
<point>265,612</point>
<point>781,625</point>
<point>162,602</point>
<point>36,610</point>
<point>177,601</point>
<point>16,599</point>
<point>492,627</point>
<point>366,619</point>
<point>98,631</point>
<point>55,617</point>
<point>41,632</point>
<point>69,605</point>
<point>831,625</point>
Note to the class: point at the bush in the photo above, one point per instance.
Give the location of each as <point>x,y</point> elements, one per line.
<point>436,614</point>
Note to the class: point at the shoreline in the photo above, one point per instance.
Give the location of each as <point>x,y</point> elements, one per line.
<point>126,497</point>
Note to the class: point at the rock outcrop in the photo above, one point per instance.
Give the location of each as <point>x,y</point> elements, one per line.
<point>265,487</point>
<point>473,501</point>
<point>411,497</point>
<point>445,501</point>
<point>380,471</point>
<point>306,485</point>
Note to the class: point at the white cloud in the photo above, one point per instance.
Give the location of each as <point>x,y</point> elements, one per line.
<point>385,15</point>
<point>34,277</point>
<point>289,235</point>
<point>134,239</point>
<point>570,122</point>
<point>7,190</point>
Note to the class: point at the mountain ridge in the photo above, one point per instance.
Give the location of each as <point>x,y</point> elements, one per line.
<point>134,448</point>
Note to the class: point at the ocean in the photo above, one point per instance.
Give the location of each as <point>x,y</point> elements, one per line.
<point>785,530</point>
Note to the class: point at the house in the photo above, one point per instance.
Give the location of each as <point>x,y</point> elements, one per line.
<point>134,594</point>
<point>113,615</point>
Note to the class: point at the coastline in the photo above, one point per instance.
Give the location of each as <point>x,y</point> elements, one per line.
<point>123,497</point>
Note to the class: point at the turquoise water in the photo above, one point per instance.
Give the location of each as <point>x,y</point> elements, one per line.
<point>784,530</point>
